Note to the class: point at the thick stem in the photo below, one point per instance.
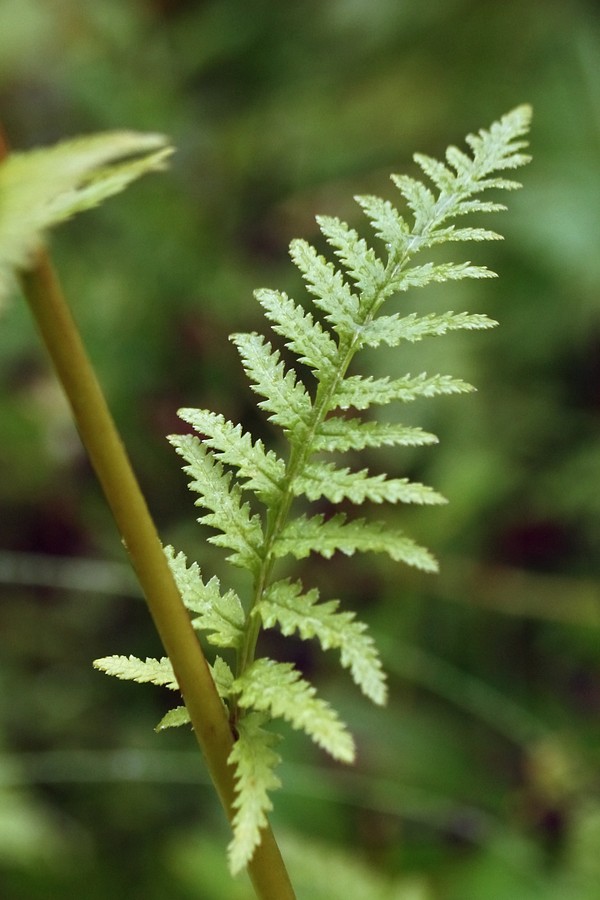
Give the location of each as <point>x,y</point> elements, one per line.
<point>109,458</point>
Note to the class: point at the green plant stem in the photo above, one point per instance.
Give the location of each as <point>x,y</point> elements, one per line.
<point>100,437</point>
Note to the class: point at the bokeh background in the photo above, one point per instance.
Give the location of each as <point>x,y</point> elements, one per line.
<point>481,778</point>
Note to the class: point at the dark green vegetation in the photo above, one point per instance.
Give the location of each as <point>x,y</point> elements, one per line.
<point>479,777</point>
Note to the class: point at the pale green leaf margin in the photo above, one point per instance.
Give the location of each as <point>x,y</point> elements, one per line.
<point>43,187</point>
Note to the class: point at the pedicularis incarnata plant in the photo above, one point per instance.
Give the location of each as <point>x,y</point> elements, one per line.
<point>258,499</point>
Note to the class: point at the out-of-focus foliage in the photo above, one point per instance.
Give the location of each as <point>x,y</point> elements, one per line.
<point>481,779</point>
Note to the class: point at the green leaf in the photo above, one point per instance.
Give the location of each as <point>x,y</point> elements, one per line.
<point>338,435</point>
<point>285,396</point>
<point>222,615</point>
<point>332,295</point>
<point>317,535</point>
<point>387,222</point>
<point>174,718</point>
<point>312,344</point>
<point>278,689</point>
<point>285,604</point>
<point>321,479</point>
<point>130,668</point>
<point>222,677</point>
<point>240,531</point>
<point>420,276</point>
<point>392,330</point>
<point>40,188</point>
<point>254,760</point>
<point>262,470</point>
<point>360,393</point>
<point>360,261</point>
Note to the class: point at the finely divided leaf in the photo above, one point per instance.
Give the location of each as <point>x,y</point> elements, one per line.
<point>241,531</point>
<point>332,294</point>
<point>320,479</point>
<point>392,330</point>
<point>306,338</point>
<point>262,470</point>
<point>285,396</point>
<point>361,393</point>
<point>222,615</point>
<point>338,435</point>
<point>387,222</point>
<point>254,760</point>
<point>303,536</point>
<point>360,261</point>
<point>130,668</point>
<point>420,276</point>
<point>278,689</point>
<point>286,605</point>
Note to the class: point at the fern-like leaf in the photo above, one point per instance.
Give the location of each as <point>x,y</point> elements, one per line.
<point>322,479</point>
<point>285,397</point>
<point>338,435</point>
<point>250,492</point>
<point>254,759</point>
<point>392,330</point>
<point>318,535</point>
<point>262,472</point>
<point>306,338</point>
<point>278,689</point>
<point>361,393</point>
<point>240,530</point>
<point>285,604</point>
<point>221,615</point>
<point>130,668</point>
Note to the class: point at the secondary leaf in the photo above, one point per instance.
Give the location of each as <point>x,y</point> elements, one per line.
<point>40,188</point>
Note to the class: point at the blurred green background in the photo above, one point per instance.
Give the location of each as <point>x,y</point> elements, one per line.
<point>481,779</point>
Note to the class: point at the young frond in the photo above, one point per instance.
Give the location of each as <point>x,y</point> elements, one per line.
<point>285,604</point>
<point>221,615</point>
<point>320,479</point>
<point>130,668</point>
<point>254,759</point>
<point>226,465</point>
<point>278,689</point>
<point>240,531</point>
<point>303,536</point>
<point>261,470</point>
